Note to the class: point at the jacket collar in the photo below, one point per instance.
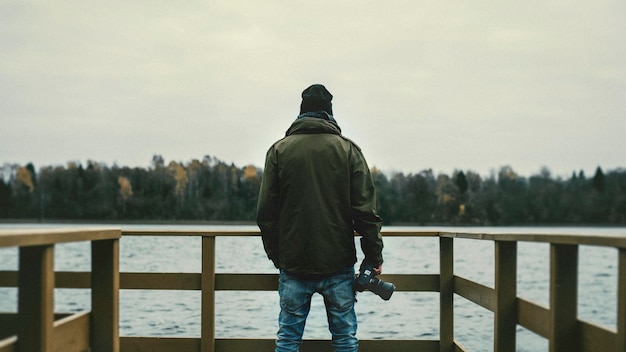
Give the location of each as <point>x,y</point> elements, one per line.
<point>313,125</point>
<point>318,114</point>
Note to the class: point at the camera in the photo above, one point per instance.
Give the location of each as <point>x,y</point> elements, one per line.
<point>366,280</point>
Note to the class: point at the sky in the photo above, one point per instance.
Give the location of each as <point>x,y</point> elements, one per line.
<point>441,85</point>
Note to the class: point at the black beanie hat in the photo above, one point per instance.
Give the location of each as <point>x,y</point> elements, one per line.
<point>316,98</point>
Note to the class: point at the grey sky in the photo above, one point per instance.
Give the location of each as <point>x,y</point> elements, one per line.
<point>472,85</point>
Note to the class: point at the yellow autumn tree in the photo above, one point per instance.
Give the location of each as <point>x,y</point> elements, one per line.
<point>180,176</point>
<point>126,190</point>
<point>249,173</point>
<point>25,177</point>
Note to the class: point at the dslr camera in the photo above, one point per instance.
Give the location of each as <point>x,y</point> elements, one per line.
<point>366,280</point>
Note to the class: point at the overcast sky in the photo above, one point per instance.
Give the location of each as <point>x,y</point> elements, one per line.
<point>471,85</point>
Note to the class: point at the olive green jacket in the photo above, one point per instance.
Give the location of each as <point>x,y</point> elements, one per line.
<point>316,192</point>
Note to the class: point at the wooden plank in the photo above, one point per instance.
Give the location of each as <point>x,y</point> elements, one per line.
<point>269,282</point>
<point>223,232</point>
<point>8,325</point>
<point>35,298</point>
<point>563,298</point>
<point>8,332</point>
<point>245,345</point>
<point>621,301</point>
<point>367,346</point>
<point>9,344</point>
<point>161,281</point>
<point>248,282</point>
<point>458,347</point>
<point>505,294</point>
<point>594,338</point>
<point>139,281</point>
<point>253,231</point>
<point>39,237</point>
<point>254,345</point>
<point>8,278</point>
<point>608,240</point>
<point>413,283</point>
<point>474,292</point>
<point>207,329</point>
<point>72,279</point>
<point>62,279</point>
<point>71,334</point>
<point>223,282</point>
<point>159,344</point>
<point>409,233</point>
<point>105,296</point>
<point>446,294</point>
<point>533,317</point>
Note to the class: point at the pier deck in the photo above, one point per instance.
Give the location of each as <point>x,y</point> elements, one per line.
<point>36,328</point>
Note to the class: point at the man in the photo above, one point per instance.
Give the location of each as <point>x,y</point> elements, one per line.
<point>316,192</point>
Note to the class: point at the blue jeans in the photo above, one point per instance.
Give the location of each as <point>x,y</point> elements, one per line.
<point>295,303</point>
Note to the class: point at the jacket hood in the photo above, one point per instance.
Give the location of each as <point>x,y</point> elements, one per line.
<point>313,125</point>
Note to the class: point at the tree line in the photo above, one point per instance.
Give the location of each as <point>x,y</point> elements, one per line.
<point>503,198</point>
<point>212,190</point>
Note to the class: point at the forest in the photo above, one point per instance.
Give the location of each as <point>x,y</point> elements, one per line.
<point>210,190</point>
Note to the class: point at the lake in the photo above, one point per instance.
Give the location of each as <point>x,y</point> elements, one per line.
<point>407,315</point>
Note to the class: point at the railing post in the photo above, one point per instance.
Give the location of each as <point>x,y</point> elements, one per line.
<point>505,308</point>
<point>621,301</point>
<point>208,294</point>
<point>563,297</point>
<point>105,286</point>
<point>36,298</point>
<point>446,294</point>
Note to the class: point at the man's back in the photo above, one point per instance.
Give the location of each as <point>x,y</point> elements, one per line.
<point>314,167</point>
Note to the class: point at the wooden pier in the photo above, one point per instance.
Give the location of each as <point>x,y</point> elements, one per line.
<point>36,327</point>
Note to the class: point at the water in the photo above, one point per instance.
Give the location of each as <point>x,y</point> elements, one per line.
<point>242,314</point>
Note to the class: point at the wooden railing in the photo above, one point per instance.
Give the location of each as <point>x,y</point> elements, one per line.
<point>35,327</point>
<point>558,323</point>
